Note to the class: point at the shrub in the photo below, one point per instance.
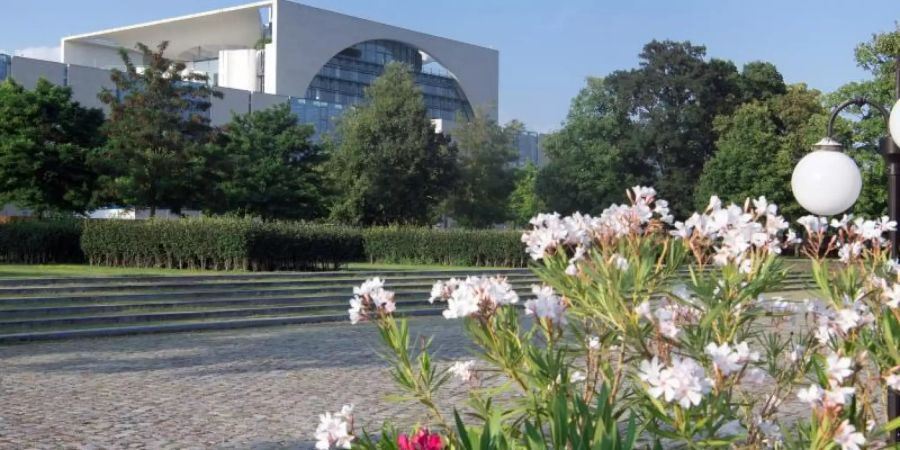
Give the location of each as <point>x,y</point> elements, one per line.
<point>219,243</point>
<point>453,247</point>
<point>41,241</point>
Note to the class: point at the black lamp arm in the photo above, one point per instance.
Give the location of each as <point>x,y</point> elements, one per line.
<point>859,101</point>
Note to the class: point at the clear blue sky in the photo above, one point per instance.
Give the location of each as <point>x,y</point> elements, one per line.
<point>547,48</point>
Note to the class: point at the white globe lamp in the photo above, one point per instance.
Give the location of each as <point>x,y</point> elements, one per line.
<point>894,121</point>
<point>826,181</point>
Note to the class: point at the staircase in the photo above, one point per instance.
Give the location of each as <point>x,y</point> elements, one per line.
<point>61,308</point>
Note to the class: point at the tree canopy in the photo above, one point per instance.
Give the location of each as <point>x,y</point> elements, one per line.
<point>46,141</point>
<point>390,165</point>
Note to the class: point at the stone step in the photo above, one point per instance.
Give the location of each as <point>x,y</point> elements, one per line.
<point>244,276</point>
<point>180,284</point>
<point>252,322</point>
<point>345,290</point>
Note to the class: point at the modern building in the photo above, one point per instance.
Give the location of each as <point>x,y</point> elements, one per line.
<point>530,148</point>
<point>278,51</point>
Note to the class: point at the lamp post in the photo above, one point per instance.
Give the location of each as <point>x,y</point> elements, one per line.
<point>827,182</point>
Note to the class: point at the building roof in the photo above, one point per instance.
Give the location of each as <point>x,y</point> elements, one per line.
<point>191,37</point>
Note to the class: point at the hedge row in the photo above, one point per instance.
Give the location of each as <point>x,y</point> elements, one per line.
<point>219,244</point>
<point>244,244</point>
<point>41,242</point>
<point>452,247</point>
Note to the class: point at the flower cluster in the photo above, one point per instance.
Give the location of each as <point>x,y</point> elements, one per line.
<point>370,298</point>
<point>474,295</point>
<point>421,440</point>
<point>732,232</point>
<point>837,369</point>
<point>335,430</point>
<point>838,321</point>
<point>464,370</point>
<point>852,235</point>
<point>683,382</point>
<point>729,359</point>
<point>580,231</point>
<point>546,305</point>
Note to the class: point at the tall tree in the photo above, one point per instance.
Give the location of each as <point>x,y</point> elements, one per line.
<point>274,167</point>
<point>45,143</point>
<point>158,149</point>
<point>587,164</point>
<point>758,147</point>
<point>671,100</point>
<point>524,202</point>
<point>878,57</point>
<point>487,152</point>
<point>390,165</point>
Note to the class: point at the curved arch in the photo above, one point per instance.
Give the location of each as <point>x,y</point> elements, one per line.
<point>306,38</point>
<point>342,78</point>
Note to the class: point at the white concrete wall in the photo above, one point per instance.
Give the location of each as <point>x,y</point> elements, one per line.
<point>259,100</point>
<point>237,69</point>
<point>306,38</point>
<point>99,56</point>
<point>235,101</point>
<point>27,71</point>
<point>86,83</point>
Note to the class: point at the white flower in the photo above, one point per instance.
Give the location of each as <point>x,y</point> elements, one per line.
<point>333,431</point>
<point>811,395</point>
<point>620,262</point>
<point>848,438</point>
<point>577,377</point>
<point>796,353</point>
<point>355,310</point>
<point>893,381</point>
<point>685,382</point>
<point>594,343</point>
<point>463,370</point>
<point>813,224</point>
<point>723,358</point>
<point>744,355</point>
<point>892,295</point>
<point>346,412</point>
<point>443,289</point>
<point>477,292</point>
<point>370,296</point>
<point>643,310</point>
<point>462,303</point>
<point>838,368</point>
<point>838,395</point>
<point>546,305</point>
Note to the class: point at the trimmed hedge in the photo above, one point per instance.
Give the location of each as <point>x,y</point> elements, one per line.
<point>219,244</point>
<point>452,247</point>
<point>245,244</point>
<point>41,242</point>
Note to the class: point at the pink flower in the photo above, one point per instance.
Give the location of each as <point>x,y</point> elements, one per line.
<point>422,440</point>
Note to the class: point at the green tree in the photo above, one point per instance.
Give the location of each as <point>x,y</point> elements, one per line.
<point>758,147</point>
<point>275,170</point>
<point>158,151</point>
<point>389,164</point>
<point>486,153</point>
<point>588,160</point>
<point>524,202</point>
<point>45,143</point>
<point>878,56</point>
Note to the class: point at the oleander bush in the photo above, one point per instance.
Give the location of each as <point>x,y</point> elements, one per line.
<point>462,247</point>
<point>41,242</point>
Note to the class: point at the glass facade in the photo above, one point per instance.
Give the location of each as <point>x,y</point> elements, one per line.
<point>5,66</point>
<point>530,149</point>
<point>342,81</point>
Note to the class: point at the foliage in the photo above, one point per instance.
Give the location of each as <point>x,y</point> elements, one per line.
<point>620,347</point>
<point>758,147</point>
<point>486,174</point>
<point>41,241</point>
<point>392,166</point>
<point>219,243</point>
<point>878,57</point>
<point>273,168</point>
<point>524,202</point>
<point>652,124</point>
<point>435,246</point>
<point>158,152</point>
<point>45,143</point>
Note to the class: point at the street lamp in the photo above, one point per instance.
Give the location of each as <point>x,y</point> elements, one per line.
<point>827,182</point>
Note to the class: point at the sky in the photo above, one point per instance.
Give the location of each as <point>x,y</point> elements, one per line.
<point>547,48</point>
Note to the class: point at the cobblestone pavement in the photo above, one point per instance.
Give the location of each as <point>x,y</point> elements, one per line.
<point>260,389</point>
